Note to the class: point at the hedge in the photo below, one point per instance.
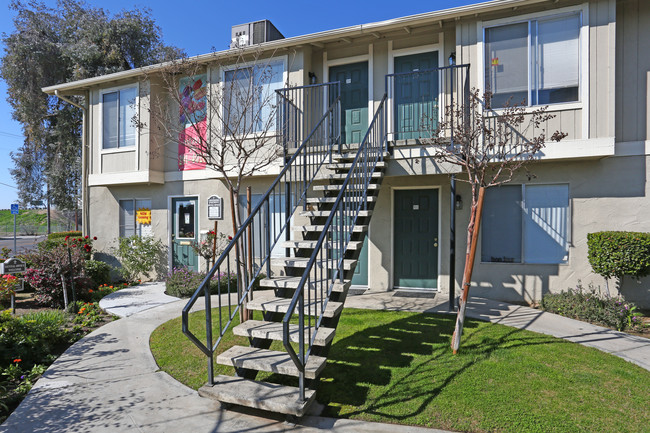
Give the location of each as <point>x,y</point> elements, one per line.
<point>615,254</point>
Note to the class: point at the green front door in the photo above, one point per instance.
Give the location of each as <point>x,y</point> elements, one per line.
<point>416,239</point>
<point>416,95</point>
<point>354,100</point>
<point>184,232</point>
<point>360,277</point>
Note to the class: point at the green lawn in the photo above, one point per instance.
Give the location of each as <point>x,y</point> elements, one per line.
<point>397,367</point>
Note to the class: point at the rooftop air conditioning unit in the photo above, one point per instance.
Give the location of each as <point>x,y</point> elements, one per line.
<point>254,33</point>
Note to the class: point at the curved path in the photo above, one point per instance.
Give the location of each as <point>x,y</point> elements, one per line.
<point>109,382</point>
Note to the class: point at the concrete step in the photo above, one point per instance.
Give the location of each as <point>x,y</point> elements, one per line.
<point>320,228</point>
<point>292,283</point>
<point>320,200</point>
<point>301,262</point>
<point>274,331</point>
<point>326,213</point>
<point>342,176</point>
<point>348,165</point>
<point>274,304</point>
<point>259,395</point>
<point>333,188</point>
<point>269,360</point>
<point>310,245</point>
<point>351,155</point>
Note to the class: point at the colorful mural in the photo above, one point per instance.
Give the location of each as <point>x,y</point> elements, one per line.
<point>193,93</point>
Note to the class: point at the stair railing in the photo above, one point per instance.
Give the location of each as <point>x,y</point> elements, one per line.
<point>326,265</point>
<point>260,233</point>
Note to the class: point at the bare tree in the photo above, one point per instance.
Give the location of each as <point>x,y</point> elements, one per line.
<point>489,147</point>
<point>225,124</point>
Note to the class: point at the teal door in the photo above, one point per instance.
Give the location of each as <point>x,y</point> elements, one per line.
<point>354,100</point>
<point>184,232</point>
<point>416,239</point>
<point>416,95</point>
<point>360,277</point>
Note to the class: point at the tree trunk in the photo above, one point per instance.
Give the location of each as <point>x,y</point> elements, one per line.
<point>472,240</point>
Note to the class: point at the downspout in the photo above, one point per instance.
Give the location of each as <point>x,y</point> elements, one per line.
<point>85,222</point>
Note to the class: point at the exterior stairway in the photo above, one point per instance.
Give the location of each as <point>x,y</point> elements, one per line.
<point>275,301</point>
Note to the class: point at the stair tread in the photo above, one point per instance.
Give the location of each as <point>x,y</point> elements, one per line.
<point>335,187</point>
<point>326,213</point>
<point>340,176</point>
<point>301,262</point>
<point>269,360</point>
<point>260,395</point>
<point>281,305</point>
<point>320,228</point>
<point>308,244</point>
<point>292,282</point>
<point>348,165</point>
<point>333,199</point>
<point>274,331</point>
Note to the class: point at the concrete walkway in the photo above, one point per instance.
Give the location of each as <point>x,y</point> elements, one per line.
<point>109,381</point>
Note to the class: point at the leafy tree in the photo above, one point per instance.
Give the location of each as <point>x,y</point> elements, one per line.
<point>54,45</point>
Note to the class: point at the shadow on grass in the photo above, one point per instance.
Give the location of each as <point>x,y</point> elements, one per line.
<point>396,369</point>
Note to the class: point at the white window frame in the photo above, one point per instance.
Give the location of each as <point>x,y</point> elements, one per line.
<point>583,91</point>
<point>102,92</point>
<point>523,261</point>
<point>222,74</point>
<point>135,211</point>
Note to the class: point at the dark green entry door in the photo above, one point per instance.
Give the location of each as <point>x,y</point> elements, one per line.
<point>354,99</point>
<point>416,95</point>
<point>184,232</point>
<point>416,239</point>
<point>360,277</point>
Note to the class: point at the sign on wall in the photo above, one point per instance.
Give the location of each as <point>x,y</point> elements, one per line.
<point>143,216</point>
<point>192,118</point>
<point>215,207</point>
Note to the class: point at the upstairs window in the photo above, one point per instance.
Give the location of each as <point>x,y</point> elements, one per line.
<point>536,62</point>
<point>249,97</point>
<point>118,112</point>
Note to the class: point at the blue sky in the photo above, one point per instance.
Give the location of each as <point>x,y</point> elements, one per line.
<point>200,25</point>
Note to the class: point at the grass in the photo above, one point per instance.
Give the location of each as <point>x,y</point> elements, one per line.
<point>397,367</point>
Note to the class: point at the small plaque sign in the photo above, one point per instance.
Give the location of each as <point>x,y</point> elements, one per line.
<point>13,266</point>
<point>215,207</point>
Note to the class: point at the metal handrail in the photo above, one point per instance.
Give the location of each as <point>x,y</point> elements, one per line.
<point>347,206</point>
<point>295,179</point>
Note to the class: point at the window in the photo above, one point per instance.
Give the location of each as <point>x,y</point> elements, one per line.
<point>249,97</point>
<point>118,111</point>
<point>276,221</point>
<point>526,224</point>
<point>534,62</point>
<point>135,218</point>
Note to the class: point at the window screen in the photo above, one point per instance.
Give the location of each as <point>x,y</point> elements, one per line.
<point>501,225</point>
<point>127,218</point>
<point>546,229</point>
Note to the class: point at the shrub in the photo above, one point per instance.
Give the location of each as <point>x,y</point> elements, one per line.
<point>183,282</point>
<point>82,243</point>
<point>141,256</point>
<point>7,288</point>
<point>615,254</point>
<point>590,306</point>
<point>48,267</point>
<point>98,272</point>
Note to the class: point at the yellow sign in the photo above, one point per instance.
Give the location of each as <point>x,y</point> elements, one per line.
<point>495,61</point>
<point>143,216</point>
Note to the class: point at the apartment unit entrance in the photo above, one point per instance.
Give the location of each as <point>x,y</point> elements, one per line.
<point>354,99</point>
<point>184,231</point>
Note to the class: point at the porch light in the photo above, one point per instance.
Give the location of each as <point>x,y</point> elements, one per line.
<point>312,78</point>
<point>459,202</point>
<point>452,59</point>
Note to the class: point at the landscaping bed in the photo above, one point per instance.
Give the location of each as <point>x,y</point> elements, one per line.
<point>397,367</point>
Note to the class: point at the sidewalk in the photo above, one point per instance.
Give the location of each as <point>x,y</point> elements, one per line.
<point>109,381</point>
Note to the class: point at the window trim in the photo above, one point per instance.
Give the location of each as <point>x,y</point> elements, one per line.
<point>584,79</point>
<point>134,200</point>
<point>222,85</point>
<point>102,92</point>
<point>523,228</point>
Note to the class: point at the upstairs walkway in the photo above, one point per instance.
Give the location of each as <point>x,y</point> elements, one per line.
<point>109,381</point>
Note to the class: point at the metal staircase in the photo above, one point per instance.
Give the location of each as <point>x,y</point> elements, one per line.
<point>294,257</point>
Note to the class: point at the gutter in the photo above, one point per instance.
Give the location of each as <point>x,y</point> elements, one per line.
<point>85,222</point>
